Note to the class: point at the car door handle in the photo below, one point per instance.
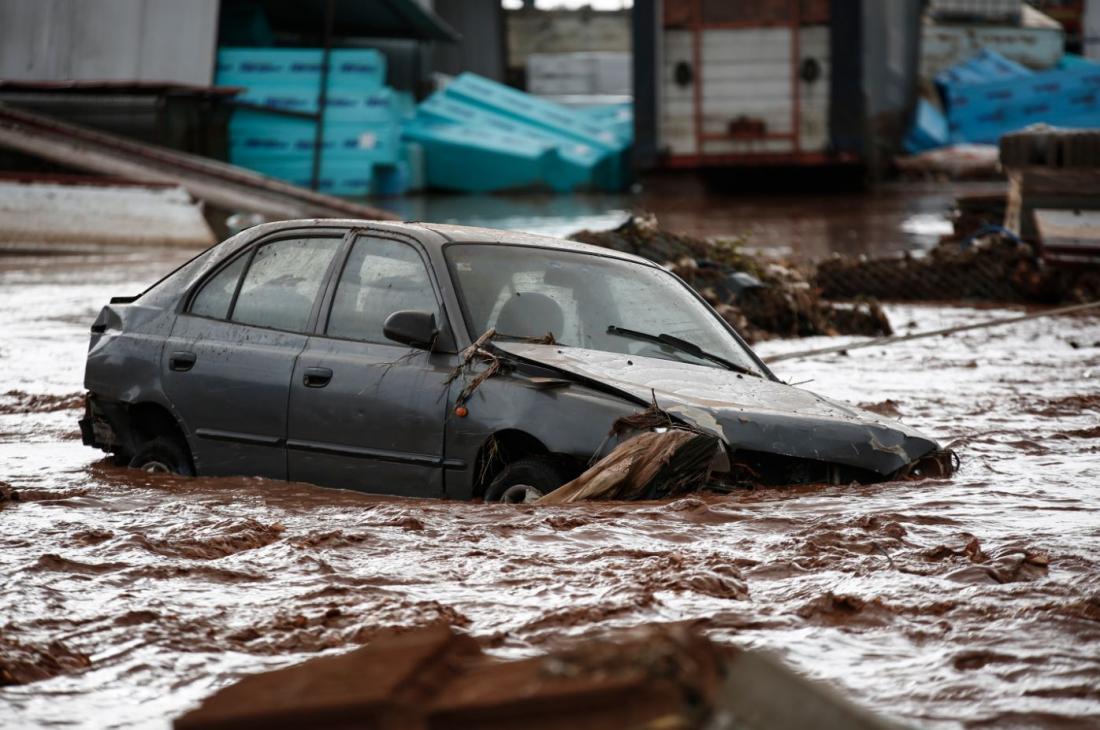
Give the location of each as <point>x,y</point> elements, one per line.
<point>316,377</point>
<point>182,361</point>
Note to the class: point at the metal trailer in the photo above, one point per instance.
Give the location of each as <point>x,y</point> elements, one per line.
<point>775,82</point>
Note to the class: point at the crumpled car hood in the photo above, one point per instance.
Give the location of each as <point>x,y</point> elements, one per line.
<point>747,412</point>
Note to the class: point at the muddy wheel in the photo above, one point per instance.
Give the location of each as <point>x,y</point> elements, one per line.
<point>163,456</point>
<point>517,481</point>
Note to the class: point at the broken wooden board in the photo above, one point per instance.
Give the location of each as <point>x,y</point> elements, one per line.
<point>1069,236</point>
<point>648,466</point>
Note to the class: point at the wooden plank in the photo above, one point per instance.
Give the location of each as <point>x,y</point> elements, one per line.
<point>1069,236</point>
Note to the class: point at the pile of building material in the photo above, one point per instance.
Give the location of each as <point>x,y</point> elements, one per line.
<point>988,95</point>
<point>481,136</point>
<point>760,297</point>
<point>276,131</point>
<point>658,676</point>
<point>990,68</point>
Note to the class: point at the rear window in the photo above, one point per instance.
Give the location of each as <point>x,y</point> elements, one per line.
<point>282,283</point>
<point>216,294</point>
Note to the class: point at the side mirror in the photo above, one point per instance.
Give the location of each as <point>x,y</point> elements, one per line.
<point>412,328</point>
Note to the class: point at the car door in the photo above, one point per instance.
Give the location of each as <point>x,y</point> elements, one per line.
<point>228,363</point>
<point>368,413</point>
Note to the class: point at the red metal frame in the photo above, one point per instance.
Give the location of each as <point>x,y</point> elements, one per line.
<point>765,159</point>
<point>796,155</point>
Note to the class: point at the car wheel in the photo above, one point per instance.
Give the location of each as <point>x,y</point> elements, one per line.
<point>527,479</point>
<point>163,456</point>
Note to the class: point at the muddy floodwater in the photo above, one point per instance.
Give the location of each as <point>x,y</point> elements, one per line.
<point>972,601</point>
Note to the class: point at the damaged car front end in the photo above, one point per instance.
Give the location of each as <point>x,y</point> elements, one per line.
<point>431,360</point>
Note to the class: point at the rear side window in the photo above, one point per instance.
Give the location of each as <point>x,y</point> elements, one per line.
<point>381,277</point>
<point>282,283</point>
<point>216,295</point>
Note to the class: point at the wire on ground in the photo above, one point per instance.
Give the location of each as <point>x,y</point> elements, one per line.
<point>881,341</point>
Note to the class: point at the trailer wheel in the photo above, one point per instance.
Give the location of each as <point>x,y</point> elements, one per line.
<point>517,482</point>
<point>163,455</point>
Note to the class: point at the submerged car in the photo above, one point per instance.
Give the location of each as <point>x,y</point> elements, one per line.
<point>339,352</point>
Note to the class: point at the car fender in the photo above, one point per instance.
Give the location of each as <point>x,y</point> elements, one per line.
<point>566,417</point>
<point>124,358</point>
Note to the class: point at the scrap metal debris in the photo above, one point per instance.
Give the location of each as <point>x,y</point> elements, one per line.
<point>760,297</point>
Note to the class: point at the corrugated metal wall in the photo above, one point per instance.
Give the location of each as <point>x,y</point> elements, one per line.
<point>481,50</point>
<point>113,40</point>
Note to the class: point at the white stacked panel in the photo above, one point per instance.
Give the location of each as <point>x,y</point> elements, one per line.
<point>977,9</point>
<point>552,74</point>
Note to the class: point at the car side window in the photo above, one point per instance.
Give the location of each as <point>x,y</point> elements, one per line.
<point>283,281</point>
<point>216,294</point>
<point>380,277</point>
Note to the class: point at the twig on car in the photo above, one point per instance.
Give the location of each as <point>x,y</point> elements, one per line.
<point>476,352</point>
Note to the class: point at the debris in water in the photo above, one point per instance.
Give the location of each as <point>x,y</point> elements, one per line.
<point>651,465</point>
<point>656,676</point>
<point>783,303</point>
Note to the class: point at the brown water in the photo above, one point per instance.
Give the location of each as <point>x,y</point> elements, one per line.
<point>893,218</point>
<point>972,601</point>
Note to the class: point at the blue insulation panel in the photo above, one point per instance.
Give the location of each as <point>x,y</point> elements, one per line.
<point>337,177</point>
<point>362,115</point>
<point>468,159</point>
<point>929,129</point>
<point>258,132</point>
<point>378,105</point>
<point>475,123</point>
<point>987,65</point>
<point>275,67</point>
<point>984,112</point>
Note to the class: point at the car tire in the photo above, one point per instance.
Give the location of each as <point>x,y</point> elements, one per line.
<point>163,455</point>
<point>517,482</point>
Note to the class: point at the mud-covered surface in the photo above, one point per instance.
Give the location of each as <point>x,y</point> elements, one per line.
<point>125,598</point>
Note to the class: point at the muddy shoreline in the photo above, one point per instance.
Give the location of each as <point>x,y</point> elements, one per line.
<point>973,601</point>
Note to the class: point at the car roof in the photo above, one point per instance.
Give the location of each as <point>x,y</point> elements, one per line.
<point>448,233</point>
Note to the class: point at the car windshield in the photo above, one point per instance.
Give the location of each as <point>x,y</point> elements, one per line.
<point>590,301</point>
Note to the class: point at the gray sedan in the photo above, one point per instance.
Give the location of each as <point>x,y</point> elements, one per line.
<point>434,360</point>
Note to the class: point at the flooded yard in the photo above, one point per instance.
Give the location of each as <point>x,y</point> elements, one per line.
<point>972,601</point>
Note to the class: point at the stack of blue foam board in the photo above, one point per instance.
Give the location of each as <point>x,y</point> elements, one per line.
<point>984,66</point>
<point>407,174</point>
<point>481,136</point>
<point>988,96</point>
<point>618,118</point>
<point>984,111</point>
<point>362,124</point>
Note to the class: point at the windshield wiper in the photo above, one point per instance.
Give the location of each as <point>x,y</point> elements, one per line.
<point>682,345</point>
